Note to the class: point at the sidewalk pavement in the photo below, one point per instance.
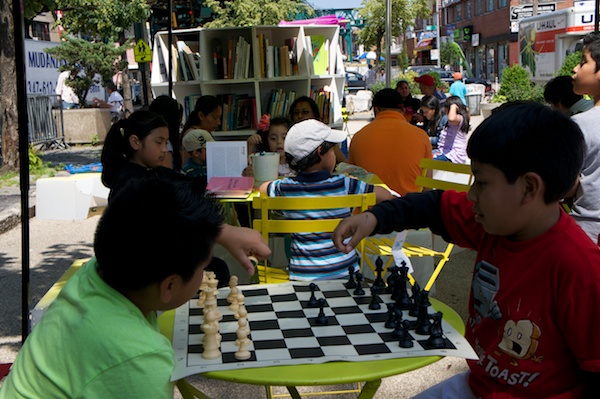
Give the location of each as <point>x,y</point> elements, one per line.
<point>54,245</point>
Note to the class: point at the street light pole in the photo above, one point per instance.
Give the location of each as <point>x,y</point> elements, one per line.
<point>388,43</point>
<point>437,33</point>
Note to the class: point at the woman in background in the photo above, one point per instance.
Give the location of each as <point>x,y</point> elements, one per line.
<point>207,115</point>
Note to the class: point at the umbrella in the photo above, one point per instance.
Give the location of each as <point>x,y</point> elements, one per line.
<point>369,55</point>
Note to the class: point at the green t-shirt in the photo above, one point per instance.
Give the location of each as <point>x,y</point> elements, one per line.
<point>92,343</point>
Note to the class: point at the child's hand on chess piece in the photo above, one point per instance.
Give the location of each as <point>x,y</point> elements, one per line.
<point>357,226</point>
<point>242,242</point>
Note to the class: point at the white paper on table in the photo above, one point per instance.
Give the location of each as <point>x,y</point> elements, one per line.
<point>398,252</point>
<point>226,158</point>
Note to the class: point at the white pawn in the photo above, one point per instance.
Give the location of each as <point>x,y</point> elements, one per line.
<point>211,293</point>
<point>233,289</point>
<point>242,317</point>
<point>240,304</point>
<point>212,338</point>
<point>203,287</point>
<point>242,342</point>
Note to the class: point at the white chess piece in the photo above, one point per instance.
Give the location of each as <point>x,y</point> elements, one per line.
<point>211,293</point>
<point>212,338</point>
<point>203,287</point>
<point>233,289</point>
<point>242,342</point>
<point>240,303</point>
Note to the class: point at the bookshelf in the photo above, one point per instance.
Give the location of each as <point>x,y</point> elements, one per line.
<point>253,70</point>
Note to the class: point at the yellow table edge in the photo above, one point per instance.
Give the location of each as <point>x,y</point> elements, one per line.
<point>330,373</point>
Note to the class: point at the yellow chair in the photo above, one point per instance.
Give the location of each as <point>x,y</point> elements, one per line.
<point>269,225</point>
<point>438,175</point>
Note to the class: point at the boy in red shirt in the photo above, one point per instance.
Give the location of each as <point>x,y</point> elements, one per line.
<point>534,307</point>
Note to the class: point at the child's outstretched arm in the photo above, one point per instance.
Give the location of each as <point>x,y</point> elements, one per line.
<point>381,194</point>
<point>413,211</point>
<point>242,242</point>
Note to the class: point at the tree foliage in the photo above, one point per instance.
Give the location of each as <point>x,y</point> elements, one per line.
<point>516,85</point>
<point>94,57</point>
<point>233,13</point>
<point>404,13</point>
<point>104,20</point>
<point>571,61</point>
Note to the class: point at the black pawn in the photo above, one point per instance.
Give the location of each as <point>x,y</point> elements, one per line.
<point>423,324</point>
<point>312,302</point>
<point>379,284</point>
<point>436,339</point>
<point>374,305</point>
<point>416,291</point>
<point>321,318</point>
<point>391,319</point>
<point>359,290</point>
<point>391,280</point>
<point>399,331</point>
<point>406,340</point>
<point>403,299</point>
<point>350,283</point>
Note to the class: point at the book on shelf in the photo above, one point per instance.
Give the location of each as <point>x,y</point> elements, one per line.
<point>226,158</point>
<point>270,61</point>
<point>218,59</point>
<point>230,187</point>
<point>308,54</point>
<point>320,54</point>
<point>189,67</point>
<point>189,104</point>
<point>293,55</point>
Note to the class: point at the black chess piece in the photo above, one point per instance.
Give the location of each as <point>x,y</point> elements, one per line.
<point>436,337</point>
<point>423,324</point>
<point>391,280</point>
<point>359,289</point>
<point>399,331</point>
<point>321,318</point>
<point>414,309</point>
<point>391,316</point>
<point>374,305</point>
<point>312,302</point>
<point>406,340</point>
<point>402,298</point>
<point>350,283</point>
<point>379,284</point>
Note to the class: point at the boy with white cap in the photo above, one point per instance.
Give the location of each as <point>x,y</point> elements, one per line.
<point>308,147</point>
<point>195,144</point>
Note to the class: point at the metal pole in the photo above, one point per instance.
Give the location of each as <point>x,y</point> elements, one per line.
<point>23,162</point>
<point>597,9</point>
<point>170,44</point>
<point>388,42</point>
<point>438,40</point>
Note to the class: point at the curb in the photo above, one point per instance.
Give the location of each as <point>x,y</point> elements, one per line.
<point>11,216</point>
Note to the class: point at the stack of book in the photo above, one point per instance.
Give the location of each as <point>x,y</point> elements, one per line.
<point>239,111</point>
<point>276,61</point>
<point>232,62</point>
<point>279,102</point>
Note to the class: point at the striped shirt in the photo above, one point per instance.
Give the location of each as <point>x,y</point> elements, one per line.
<point>313,255</point>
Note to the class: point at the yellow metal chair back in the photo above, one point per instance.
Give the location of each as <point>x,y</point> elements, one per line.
<point>268,225</point>
<point>437,175</point>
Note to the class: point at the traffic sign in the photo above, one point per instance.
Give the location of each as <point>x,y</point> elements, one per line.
<point>142,52</point>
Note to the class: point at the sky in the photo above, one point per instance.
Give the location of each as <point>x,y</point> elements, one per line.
<point>329,4</point>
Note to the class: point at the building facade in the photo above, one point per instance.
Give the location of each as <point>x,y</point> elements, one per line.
<point>486,31</point>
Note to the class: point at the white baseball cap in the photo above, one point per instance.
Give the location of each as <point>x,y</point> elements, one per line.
<point>305,137</point>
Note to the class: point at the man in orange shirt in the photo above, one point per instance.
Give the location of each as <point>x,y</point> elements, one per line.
<point>389,146</point>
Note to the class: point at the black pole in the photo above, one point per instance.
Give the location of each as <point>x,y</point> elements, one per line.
<point>170,44</point>
<point>596,9</point>
<point>23,162</point>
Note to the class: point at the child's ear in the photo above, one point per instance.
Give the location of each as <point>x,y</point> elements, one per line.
<point>134,142</point>
<point>533,187</point>
<point>168,286</point>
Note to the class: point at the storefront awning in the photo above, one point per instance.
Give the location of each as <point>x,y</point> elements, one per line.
<point>424,44</point>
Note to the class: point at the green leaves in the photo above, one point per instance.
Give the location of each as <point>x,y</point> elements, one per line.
<point>240,13</point>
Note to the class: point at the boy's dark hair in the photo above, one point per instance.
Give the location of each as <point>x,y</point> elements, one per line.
<point>591,43</point>
<point>205,104</point>
<point>117,151</point>
<point>264,134</point>
<point>172,111</point>
<point>313,106</point>
<point>522,137</point>
<point>154,228</point>
<point>310,159</point>
<point>560,91</point>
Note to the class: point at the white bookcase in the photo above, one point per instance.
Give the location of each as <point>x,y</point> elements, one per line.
<point>254,77</point>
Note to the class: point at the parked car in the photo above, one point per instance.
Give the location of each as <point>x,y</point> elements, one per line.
<point>355,82</point>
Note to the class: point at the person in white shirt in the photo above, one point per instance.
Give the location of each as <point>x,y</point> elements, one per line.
<point>114,102</point>
<point>68,98</point>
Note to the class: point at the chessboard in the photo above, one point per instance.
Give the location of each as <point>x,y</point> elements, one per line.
<point>284,329</point>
